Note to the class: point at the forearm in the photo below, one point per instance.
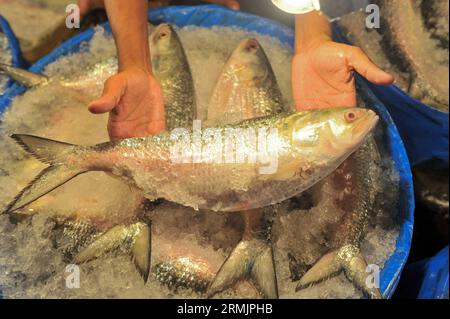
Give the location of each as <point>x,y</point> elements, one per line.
<point>129,26</point>
<point>309,28</point>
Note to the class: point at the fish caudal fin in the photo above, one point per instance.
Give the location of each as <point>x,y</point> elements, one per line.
<point>48,180</point>
<point>139,235</point>
<point>47,151</point>
<point>141,250</point>
<point>328,266</point>
<point>263,272</point>
<point>23,77</point>
<point>347,259</point>
<point>57,174</point>
<point>250,259</point>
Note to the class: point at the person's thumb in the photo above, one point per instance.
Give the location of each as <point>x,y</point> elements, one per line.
<point>112,93</point>
<point>361,63</point>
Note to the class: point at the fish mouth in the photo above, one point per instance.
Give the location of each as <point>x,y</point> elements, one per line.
<point>251,45</point>
<point>363,124</point>
<point>162,31</point>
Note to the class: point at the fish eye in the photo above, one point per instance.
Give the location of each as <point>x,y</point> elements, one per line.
<point>350,117</point>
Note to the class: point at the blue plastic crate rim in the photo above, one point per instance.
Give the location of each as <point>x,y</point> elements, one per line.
<point>17,60</point>
<point>212,15</point>
<point>424,129</point>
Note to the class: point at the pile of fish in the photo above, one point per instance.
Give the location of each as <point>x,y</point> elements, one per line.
<point>414,40</point>
<point>309,146</point>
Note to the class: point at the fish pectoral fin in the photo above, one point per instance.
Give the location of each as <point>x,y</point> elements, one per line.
<point>347,259</point>
<point>139,235</point>
<point>23,77</point>
<point>283,173</point>
<point>251,259</point>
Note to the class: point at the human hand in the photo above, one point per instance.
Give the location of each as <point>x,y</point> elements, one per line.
<point>232,4</point>
<point>87,5</point>
<point>135,101</point>
<point>323,75</point>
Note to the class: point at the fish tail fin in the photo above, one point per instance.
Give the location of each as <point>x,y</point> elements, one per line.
<point>23,77</point>
<point>264,274</point>
<point>141,249</point>
<point>328,266</point>
<point>107,242</point>
<point>45,150</point>
<point>112,239</point>
<point>57,174</point>
<point>355,269</point>
<point>49,179</point>
<point>251,259</point>
<point>347,259</point>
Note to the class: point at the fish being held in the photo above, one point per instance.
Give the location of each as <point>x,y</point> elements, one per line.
<point>308,146</point>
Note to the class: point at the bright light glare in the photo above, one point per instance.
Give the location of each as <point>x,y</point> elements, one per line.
<point>297,6</point>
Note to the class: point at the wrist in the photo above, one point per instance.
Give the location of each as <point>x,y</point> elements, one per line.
<point>134,61</point>
<point>136,66</point>
<point>311,30</point>
<point>137,69</point>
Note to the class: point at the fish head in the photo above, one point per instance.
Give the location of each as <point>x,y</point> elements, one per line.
<point>332,133</point>
<point>248,64</point>
<point>165,48</point>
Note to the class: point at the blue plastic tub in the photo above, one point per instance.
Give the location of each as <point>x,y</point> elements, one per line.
<point>211,15</point>
<point>435,278</point>
<point>17,60</point>
<point>426,279</point>
<point>423,128</point>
